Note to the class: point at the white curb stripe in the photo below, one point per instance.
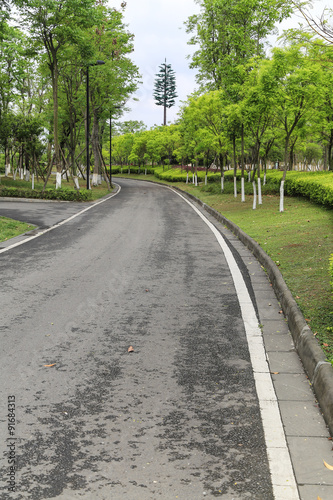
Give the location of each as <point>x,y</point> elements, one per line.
<point>283,479</point>
<point>59,223</point>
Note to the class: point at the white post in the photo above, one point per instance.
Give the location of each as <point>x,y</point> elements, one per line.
<point>282,196</point>
<point>243,189</point>
<point>259,191</point>
<point>254,195</point>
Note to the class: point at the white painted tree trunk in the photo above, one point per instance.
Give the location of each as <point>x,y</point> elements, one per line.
<point>243,189</point>
<point>14,175</point>
<point>95,179</point>
<point>196,179</point>
<point>193,181</point>
<point>206,180</point>
<point>265,178</point>
<point>145,171</point>
<point>282,196</point>
<point>254,195</point>
<point>235,187</point>
<point>32,181</point>
<point>259,192</point>
<point>249,177</point>
<point>58,180</point>
<point>222,184</point>
<point>7,170</point>
<point>21,174</point>
<point>76,182</point>
<point>99,179</point>
<point>27,175</point>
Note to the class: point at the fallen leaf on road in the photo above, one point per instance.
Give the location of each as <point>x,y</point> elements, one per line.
<point>275,373</point>
<point>47,366</point>
<point>319,498</point>
<point>130,349</point>
<point>330,467</point>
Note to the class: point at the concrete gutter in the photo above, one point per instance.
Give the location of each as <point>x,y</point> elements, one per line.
<point>317,368</point>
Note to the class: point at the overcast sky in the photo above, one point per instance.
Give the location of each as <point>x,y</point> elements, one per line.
<point>158,26</point>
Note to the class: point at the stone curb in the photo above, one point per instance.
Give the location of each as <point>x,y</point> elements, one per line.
<point>319,371</point>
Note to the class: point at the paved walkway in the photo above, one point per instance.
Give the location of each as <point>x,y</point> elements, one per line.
<point>306,434</point>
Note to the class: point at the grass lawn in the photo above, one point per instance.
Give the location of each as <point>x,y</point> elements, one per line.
<point>10,228</point>
<point>299,240</point>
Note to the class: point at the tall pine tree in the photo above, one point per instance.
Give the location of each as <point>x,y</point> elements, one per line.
<point>165,88</point>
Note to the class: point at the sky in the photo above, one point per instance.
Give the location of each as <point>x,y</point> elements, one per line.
<point>158,26</point>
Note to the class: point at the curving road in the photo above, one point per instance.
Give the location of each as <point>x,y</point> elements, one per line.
<point>178,417</point>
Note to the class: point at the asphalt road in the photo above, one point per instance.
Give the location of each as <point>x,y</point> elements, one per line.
<point>176,418</point>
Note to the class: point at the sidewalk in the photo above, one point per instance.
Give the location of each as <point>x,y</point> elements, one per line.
<point>307,435</point>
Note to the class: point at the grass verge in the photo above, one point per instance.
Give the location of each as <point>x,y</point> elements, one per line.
<point>10,228</point>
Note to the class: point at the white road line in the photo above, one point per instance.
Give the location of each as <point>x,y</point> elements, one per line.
<point>283,479</point>
<point>59,224</point>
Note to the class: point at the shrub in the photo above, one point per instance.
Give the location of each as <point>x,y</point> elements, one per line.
<point>49,194</point>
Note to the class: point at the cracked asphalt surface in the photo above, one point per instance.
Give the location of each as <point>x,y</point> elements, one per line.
<point>176,418</point>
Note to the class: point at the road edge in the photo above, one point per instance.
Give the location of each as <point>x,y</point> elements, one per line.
<point>317,368</point>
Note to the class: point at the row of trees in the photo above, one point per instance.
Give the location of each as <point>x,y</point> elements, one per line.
<point>43,71</point>
<point>250,107</point>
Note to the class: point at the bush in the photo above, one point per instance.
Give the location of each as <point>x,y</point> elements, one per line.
<point>49,194</point>
<point>316,186</point>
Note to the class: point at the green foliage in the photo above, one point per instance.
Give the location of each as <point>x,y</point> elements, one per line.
<point>165,86</point>
<point>64,194</point>
<point>316,186</point>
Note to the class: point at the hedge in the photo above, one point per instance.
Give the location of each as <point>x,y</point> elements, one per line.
<point>316,186</point>
<point>49,194</point>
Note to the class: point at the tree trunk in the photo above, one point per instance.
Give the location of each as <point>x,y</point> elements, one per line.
<point>235,165</point>
<point>286,149</point>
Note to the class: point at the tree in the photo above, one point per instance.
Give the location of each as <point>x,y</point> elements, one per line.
<point>53,26</point>
<point>165,88</point>
<point>229,34</point>
<point>290,85</point>
<point>110,88</point>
